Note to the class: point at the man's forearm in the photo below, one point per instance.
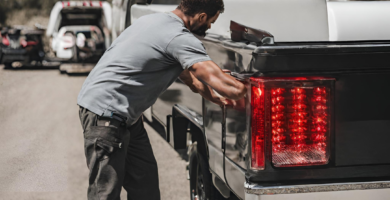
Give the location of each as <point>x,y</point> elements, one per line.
<point>193,83</point>
<point>198,87</point>
<point>213,76</point>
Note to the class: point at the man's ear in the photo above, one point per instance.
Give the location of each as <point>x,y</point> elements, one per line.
<point>202,17</point>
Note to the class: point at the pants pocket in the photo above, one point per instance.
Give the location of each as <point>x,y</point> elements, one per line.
<point>100,143</point>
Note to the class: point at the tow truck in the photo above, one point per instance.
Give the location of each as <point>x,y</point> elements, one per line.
<point>315,122</point>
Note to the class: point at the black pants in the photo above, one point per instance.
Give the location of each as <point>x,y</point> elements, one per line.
<point>118,155</point>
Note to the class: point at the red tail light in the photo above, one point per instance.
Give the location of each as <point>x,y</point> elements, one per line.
<point>23,43</point>
<point>293,116</point>
<point>5,41</point>
<point>258,130</point>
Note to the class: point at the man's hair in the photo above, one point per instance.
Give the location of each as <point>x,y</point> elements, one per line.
<point>193,7</point>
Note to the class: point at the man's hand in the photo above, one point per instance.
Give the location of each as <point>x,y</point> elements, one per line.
<point>209,73</point>
<point>207,92</point>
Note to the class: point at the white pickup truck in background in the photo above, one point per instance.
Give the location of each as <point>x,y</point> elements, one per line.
<point>85,22</point>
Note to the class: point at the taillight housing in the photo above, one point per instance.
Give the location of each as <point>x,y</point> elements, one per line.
<point>291,118</point>
<point>5,41</point>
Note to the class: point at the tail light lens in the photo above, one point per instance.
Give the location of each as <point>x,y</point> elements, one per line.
<point>293,116</point>
<point>5,41</point>
<point>23,43</point>
<point>258,129</point>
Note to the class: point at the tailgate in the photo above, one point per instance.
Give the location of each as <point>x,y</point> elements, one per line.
<point>362,120</point>
<point>360,133</point>
<point>81,16</point>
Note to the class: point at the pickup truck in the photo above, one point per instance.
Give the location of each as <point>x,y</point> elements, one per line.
<point>315,122</point>
<point>68,19</point>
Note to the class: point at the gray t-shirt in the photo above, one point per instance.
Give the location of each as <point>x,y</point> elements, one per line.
<point>139,65</point>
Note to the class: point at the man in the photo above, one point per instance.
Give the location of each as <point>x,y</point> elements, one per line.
<point>140,64</point>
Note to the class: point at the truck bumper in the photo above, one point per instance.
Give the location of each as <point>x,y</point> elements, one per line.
<point>340,191</point>
<point>13,55</point>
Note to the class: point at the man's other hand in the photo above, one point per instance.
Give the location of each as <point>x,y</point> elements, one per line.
<point>209,73</point>
<point>212,94</point>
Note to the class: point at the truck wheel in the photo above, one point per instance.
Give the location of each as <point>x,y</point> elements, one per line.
<point>201,185</point>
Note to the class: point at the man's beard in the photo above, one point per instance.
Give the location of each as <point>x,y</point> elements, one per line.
<point>201,31</point>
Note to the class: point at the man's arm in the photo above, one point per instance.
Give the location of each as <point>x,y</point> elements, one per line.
<point>208,72</point>
<point>193,83</point>
<point>198,87</point>
<point>187,50</point>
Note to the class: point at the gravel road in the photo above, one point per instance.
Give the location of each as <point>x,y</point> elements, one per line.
<point>41,143</point>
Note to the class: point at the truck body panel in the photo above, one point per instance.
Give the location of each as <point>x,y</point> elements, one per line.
<point>212,118</point>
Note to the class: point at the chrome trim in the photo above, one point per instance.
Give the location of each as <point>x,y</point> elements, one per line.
<point>293,189</point>
<point>340,47</point>
<point>321,46</point>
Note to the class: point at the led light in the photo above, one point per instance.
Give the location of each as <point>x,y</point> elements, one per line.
<point>277,123</point>
<point>277,91</point>
<point>277,108</point>
<point>299,115</point>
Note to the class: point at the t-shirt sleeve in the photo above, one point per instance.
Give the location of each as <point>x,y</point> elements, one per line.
<point>187,50</point>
